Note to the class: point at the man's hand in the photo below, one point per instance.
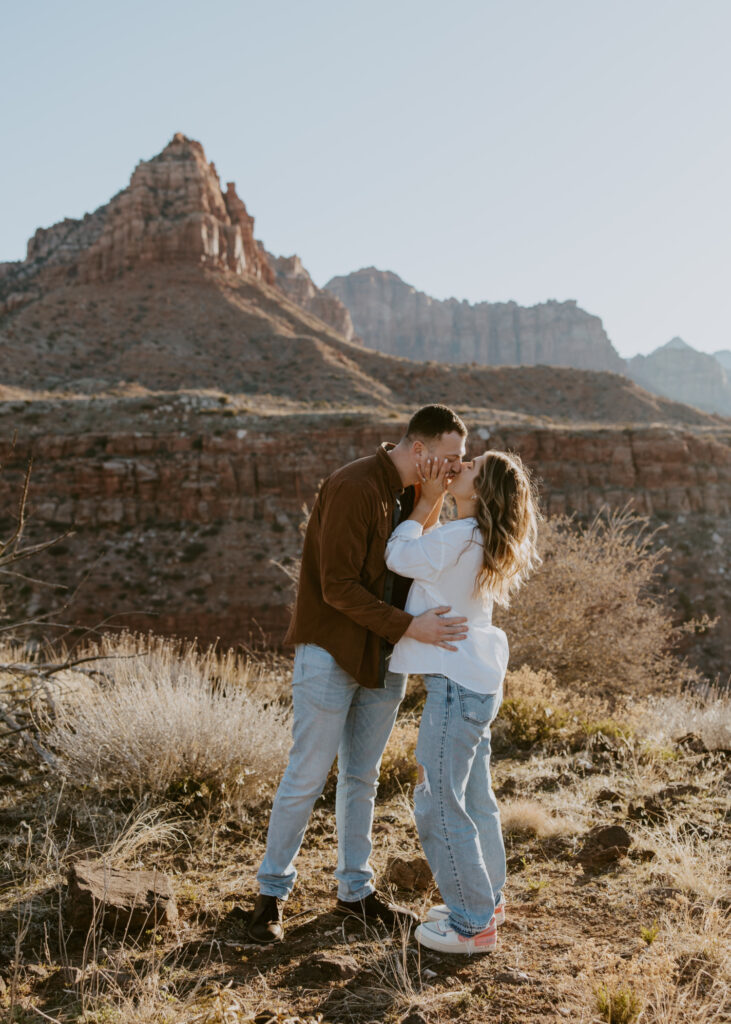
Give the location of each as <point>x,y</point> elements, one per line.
<point>431,628</point>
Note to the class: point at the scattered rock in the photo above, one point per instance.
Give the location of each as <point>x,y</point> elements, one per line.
<point>512,976</point>
<point>603,845</point>
<point>123,900</point>
<point>643,855</point>
<point>507,787</point>
<point>607,796</point>
<point>413,874</point>
<point>547,783</point>
<point>649,809</point>
<point>414,1018</point>
<point>677,789</point>
<point>693,743</point>
<point>325,967</point>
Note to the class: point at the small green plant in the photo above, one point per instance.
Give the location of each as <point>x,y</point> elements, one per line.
<point>531,722</point>
<point>617,1005</point>
<point>608,727</point>
<point>650,934</point>
<point>536,884</point>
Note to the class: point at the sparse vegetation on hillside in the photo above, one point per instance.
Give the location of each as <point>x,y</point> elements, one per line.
<point>155,755</point>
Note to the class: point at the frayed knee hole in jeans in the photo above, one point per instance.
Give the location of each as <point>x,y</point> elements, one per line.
<point>422,787</point>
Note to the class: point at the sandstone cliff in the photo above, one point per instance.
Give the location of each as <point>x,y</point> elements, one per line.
<point>724,358</point>
<point>179,507</point>
<point>678,371</point>
<point>297,284</point>
<point>172,210</point>
<point>391,316</point>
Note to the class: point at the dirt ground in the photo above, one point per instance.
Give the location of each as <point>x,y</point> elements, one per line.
<point>644,937</point>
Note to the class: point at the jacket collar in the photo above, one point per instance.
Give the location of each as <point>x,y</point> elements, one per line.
<point>391,473</point>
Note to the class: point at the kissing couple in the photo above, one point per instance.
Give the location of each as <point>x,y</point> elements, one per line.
<point>379,577</point>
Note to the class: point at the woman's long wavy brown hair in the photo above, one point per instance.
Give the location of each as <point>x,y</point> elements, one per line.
<point>507,513</point>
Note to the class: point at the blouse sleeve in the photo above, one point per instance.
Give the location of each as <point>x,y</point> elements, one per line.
<point>417,555</point>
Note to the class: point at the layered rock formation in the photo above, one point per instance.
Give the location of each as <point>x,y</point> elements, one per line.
<point>391,316</point>
<point>724,358</point>
<point>678,371</point>
<point>180,510</point>
<point>172,210</point>
<point>296,283</point>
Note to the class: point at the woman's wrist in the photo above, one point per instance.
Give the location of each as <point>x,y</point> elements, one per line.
<point>422,510</point>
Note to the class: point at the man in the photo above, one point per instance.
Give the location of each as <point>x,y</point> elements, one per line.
<point>347,617</point>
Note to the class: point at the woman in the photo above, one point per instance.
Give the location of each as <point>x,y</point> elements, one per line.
<point>467,563</point>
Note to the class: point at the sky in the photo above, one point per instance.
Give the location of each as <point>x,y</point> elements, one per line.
<point>482,149</point>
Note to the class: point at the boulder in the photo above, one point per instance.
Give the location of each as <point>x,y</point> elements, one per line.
<point>122,900</point>
<point>413,874</point>
<point>603,845</point>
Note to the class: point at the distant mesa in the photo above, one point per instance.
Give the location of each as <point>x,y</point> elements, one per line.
<point>392,316</point>
<point>678,371</point>
<point>724,358</point>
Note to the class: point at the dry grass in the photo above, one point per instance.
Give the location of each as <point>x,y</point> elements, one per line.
<point>686,860</point>
<point>166,722</point>
<point>665,719</point>
<point>532,817</point>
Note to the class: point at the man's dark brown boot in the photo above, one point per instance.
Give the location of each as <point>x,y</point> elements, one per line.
<point>265,924</point>
<point>373,908</point>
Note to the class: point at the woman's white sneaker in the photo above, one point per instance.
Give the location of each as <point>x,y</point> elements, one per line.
<point>439,936</point>
<point>441,912</point>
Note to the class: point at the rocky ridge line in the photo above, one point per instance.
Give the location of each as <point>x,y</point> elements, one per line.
<point>172,210</point>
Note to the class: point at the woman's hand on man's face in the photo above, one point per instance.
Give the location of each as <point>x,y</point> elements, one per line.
<point>434,475</point>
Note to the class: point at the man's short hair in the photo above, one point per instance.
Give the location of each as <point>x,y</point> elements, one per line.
<point>434,420</point>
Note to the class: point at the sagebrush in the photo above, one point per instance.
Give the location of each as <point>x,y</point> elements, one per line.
<point>163,720</point>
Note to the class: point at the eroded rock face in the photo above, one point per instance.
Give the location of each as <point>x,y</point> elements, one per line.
<point>172,210</point>
<point>295,282</point>
<point>391,316</point>
<point>181,527</point>
<point>678,371</point>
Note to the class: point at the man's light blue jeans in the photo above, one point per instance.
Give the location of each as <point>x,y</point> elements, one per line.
<point>455,807</point>
<point>333,715</point>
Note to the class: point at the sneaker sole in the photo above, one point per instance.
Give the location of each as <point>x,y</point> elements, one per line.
<point>485,944</point>
<point>441,915</point>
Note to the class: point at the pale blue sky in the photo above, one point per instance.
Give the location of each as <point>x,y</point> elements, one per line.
<point>486,149</point>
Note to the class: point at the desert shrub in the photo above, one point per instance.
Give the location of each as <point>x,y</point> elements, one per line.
<point>164,721</point>
<point>662,720</point>
<point>530,712</point>
<point>588,614</point>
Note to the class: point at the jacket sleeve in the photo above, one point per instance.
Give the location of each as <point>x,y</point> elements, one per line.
<point>421,556</point>
<point>348,516</point>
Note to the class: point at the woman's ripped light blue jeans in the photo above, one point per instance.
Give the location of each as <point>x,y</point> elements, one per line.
<point>455,807</point>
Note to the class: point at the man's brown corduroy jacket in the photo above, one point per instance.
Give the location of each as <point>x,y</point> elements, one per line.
<point>340,602</point>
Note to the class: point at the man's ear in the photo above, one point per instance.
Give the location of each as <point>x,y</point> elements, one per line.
<point>417,449</point>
